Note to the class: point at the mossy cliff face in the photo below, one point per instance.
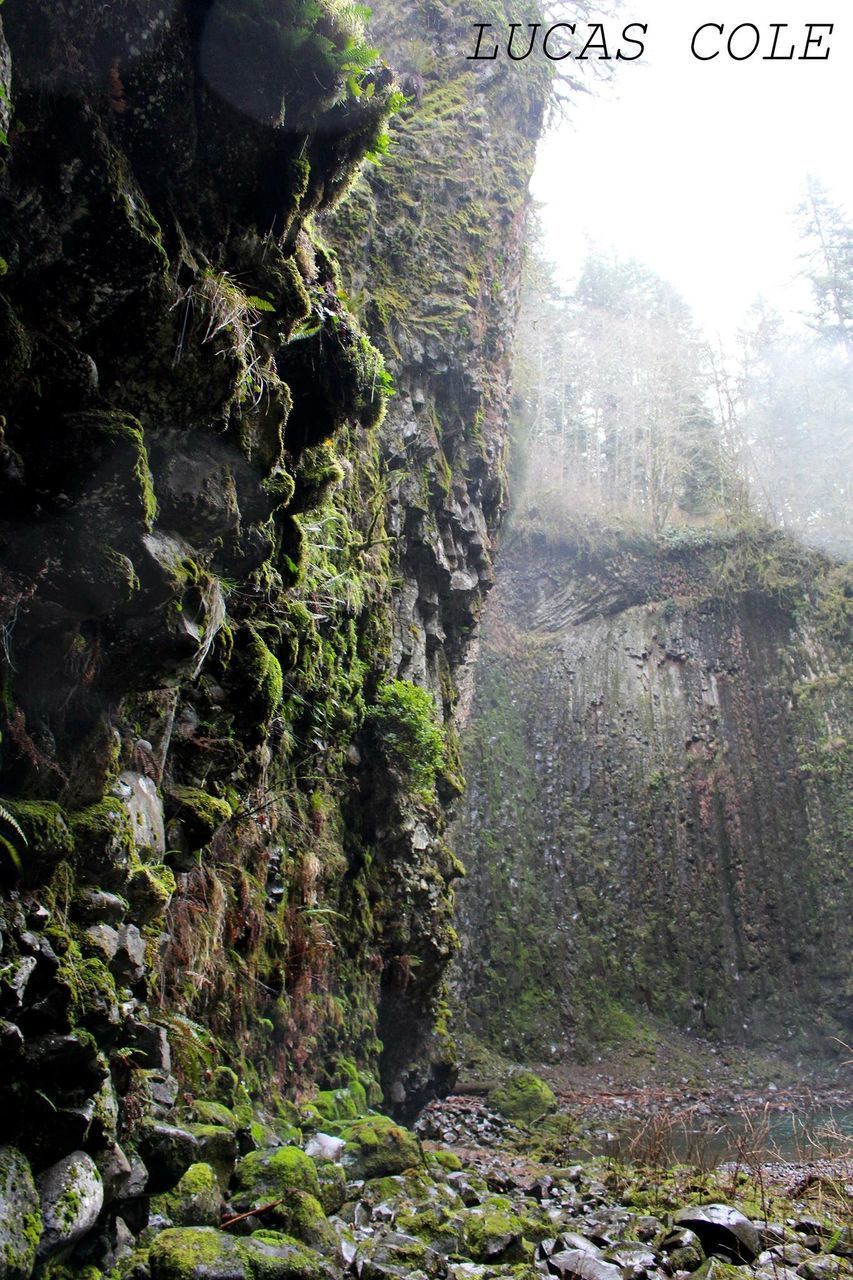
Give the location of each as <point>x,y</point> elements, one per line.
<point>658,802</point>
<point>430,246</point>
<point>221,822</point>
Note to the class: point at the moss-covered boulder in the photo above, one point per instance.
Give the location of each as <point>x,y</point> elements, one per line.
<point>271,1255</point>
<point>167,1151</point>
<point>376,1146</point>
<point>495,1232</point>
<point>42,825</point>
<point>195,1202</point>
<point>149,890</point>
<point>262,1176</point>
<point>198,813</point>
<point>196,1253</point>
<point>393,1255</point>
<point>301,1214</point>
<point>215,1113</point>
<point>103,836</point>
<point>72,1196</point>
<point>217,1146</point>
<point>20,1216</point>
<point>439,1227</point>
<point>524,1097</point>
<point>342,1104</point>
<point>333,1185</point>
<point>447,1160</point>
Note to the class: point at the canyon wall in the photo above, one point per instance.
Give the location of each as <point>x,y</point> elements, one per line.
<point>657,822</point>
<point>235,596</point>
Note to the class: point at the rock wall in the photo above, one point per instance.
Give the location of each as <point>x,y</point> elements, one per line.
<point>234,603</point>
<point>657,819</point>
<point>430,245</point>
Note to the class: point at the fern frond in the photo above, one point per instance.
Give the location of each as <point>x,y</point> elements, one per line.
<point>12,821</point>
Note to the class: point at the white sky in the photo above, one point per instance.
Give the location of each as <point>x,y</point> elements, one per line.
<point>694,168</point>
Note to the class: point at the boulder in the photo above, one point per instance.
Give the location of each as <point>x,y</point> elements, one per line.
<point>195,1202</point>
<point>196,1253</point>
<point>376,1147</point>
<point>723,1230</point>
<point>492,1232</point>
<point>578,1264</point>
<point>392,1255</point>
<point>262,1176</point>
<point>167,1153</point>
<point>72,1196</point>
<point>20,1216</point>
<point>270,1255</point>
<point>523,1098</point>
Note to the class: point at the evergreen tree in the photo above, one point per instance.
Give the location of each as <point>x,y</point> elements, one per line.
<point>829,258</point>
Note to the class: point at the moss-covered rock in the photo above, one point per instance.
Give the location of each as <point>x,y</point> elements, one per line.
<point>447,1160</point>
<point>217,1145</point>
<point>72,1196</point>
<point>272,1255</point>
<point>396,1256</point>
<point>376,1146</point>
<point>206,1112</point>
<point>199,813</point>
<point>301,1214</point>
<point>20,1216</point>
<point>103,836</point>
<point>262,1176</point>
<point>195,1202</point>
<point>333,1184</point>
<point>46,840</point>
<point>196,1253</point>
<point>150,888</point>
<point>341,1104</point>
<point>523,1097</point>
<point>494,1232</point>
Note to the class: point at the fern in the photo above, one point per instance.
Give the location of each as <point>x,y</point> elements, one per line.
<point>7,844</point>
<point>12,821</point>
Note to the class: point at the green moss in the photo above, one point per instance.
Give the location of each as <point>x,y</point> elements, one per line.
<point>332,1185</point>
<point>214,1113</point>
<point>48,836</point>
<point>20,1233</point>
<point>195,1202</point>
<point>186,1253</point>
<point>264,672</point>
<point>150,889</point>
<point>523,1097</point>
<point>341,1104</point>
<point>376,1147</point>
<point>103,828</point>
<point>272,1255</point>
<point>301,1214</point>
<point>200,814</point>
<point>447,1160</point>
<point>405,722</point>
<point>271,1174</point>
<point>494,1232</point>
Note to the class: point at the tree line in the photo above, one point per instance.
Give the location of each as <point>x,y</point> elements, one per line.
<point>629,411</point>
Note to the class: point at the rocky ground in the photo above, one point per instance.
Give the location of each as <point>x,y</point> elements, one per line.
<point>476,1192</point>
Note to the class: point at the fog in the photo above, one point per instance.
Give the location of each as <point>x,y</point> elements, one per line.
<point>695,167</point>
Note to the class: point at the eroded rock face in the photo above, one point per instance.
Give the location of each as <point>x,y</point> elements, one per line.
<point>655,814</point>
<point>214,555</point>
<point>431,242</point>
